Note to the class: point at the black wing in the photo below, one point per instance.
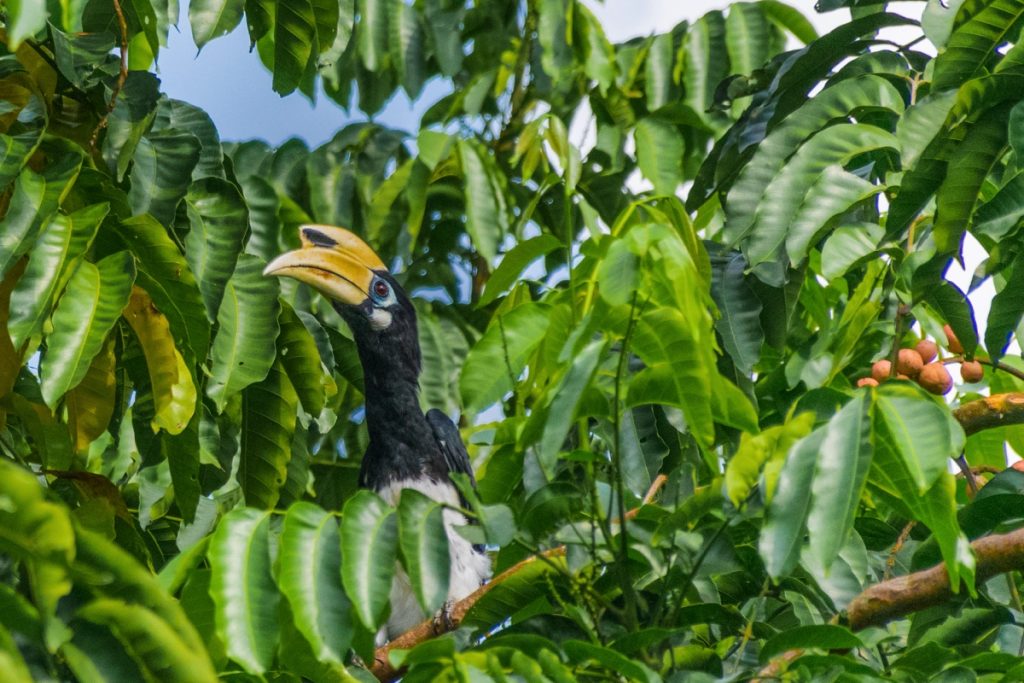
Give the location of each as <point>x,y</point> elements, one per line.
<point>456,457</point>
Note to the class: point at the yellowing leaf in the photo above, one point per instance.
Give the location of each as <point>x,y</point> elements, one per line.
<point>174,392</point>
<point>91,404</point>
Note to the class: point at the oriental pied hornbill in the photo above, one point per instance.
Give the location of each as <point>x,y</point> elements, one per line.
<point>407,449</point>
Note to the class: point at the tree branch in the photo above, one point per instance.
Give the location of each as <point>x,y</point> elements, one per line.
<point>428,629</point>
<point>904,595</point>
<point>122,75</point>
<point>998,410</point>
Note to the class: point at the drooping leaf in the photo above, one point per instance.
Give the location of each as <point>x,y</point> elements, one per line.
<point>243,589</point>
<point>269,409</point>
<point>51,263</point>
<point>295,40</point>
<point>92,303</point>
<point>310,579</point>
<point>161,173</point>
<point>174,391</point>
<point>740,310</point>
<point>213,18</point>
<point>218,221</point>
<point>424,545</point>
<point>486,207</point>
<point>369,547</point>
<point>1005,314</point>
<point>659,152</point>
<point>244,350</point>
<point>90,404</point>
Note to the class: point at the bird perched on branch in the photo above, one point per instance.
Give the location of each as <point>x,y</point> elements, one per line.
<point>407,448</point>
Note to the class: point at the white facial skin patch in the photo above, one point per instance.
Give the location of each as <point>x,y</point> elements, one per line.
<point>380,319</point>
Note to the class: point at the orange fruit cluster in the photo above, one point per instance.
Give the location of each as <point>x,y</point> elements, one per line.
<point>921,364</point>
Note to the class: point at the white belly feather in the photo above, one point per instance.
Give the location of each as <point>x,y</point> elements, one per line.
<point>469,569</point>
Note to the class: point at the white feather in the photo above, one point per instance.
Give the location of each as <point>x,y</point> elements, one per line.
<point>469,569</point>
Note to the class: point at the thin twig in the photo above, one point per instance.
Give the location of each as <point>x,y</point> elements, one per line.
<point>122,75</point>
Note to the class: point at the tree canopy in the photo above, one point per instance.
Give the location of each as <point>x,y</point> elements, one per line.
<point>691,349</point>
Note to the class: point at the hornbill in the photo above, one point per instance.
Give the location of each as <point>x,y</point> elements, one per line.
<point>407,448</point>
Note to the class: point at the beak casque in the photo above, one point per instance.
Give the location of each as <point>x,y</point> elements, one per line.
<point>334,261</point>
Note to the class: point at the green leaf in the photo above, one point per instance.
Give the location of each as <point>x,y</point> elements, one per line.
<point>495,362</point>
<point>213,18</point>
<point>847,246</point>
<point>33,202</point>
<point>244,350</point>
<point>841,470</point>
<point>817,636</point>
<point>161,173</point>
<point>744,467</point>
<point>972,160</point>
<point>269,409</point>
<point>444,348</point>
<point>739,323</point>
<point>782,535</point>
<point>747,37</point>
<point>919,430</point>
<point>301,360</point>
<point>51,263</point>
<point>565,399</point>
<point>294,43</point>
<point>180,115</point>
<point>486,208</point>
<point>407,42</point>
<point>424,544</point>
<point>165,275</point>
<point>131,117</point>
<point>310,578</point>
<point>218,221</point>
<point>835,146</point>
<point>1006,311</point>
<point>150,641</point>
<point>997,217</point>
<point>372,35</point>
<point>955,308</point>
<point>706,67</point>
<point>790,19</point>
<point>658,72</point>
<point>659,153</point>
<point>14,152</point>
<point>369,546</point>
<point>242,585</point>
<point>580,652</point>
<point>556,56</point>
<point>971,44</point>
<point>514,262</point>
<point>92,303</point>
<point>838,101</point>
<point>25,18</point>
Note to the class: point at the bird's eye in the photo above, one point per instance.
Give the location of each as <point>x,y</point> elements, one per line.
<point>381,289</point>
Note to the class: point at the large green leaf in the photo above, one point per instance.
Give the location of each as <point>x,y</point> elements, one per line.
<point>242,585</point>
<point>706,62</point>
<point>495,362</point>
<point>14,152</point>
<point>841,469</point>
<point>218,222</point>
<point>835,146</point>
<point>424,545</point>
<point>863,93</point>
<point>213,18</point>
<point>33,202</point>
<point>514,262</point>
<point>659,153</point>
<point>739,323</point>
<point>294,42</point>
<point>178,115</point>
<point>407,43</point>
<point>309,574</point>
<point>301,360</point>
<point>244,350</point>
<point>53,260</point>
<point>373,33</point>
<point>972,44</point>
<point>92,303</point>
<point>369,547</point>
<point>150,641</point>
<point>1005,314</point>
<point>1002,213</point>
<point>486,208</point>
<point>165,275</point>
<point>162,173</point>
<point>269,409</point>
<point>748,37</point>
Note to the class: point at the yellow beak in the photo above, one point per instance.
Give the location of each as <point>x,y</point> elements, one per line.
<point>334,261</point>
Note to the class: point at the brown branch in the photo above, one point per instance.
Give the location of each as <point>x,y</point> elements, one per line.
<point>428,629</point>
<point>997,410</point>
<point>904,595</point>
<point>895,598</point>
<point>122,75</point>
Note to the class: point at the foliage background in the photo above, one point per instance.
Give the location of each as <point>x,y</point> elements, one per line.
<point>181,435</point>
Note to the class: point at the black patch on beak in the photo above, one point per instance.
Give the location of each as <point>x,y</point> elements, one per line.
<point>318,238</point>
